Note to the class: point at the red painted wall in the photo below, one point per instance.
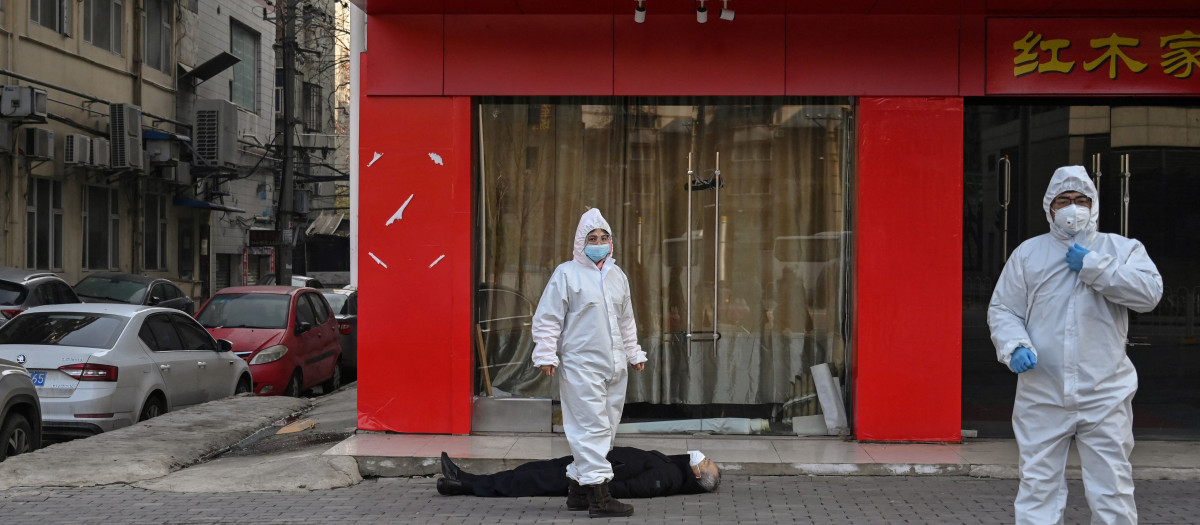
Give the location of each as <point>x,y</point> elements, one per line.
<point>907,362</point>
<point>671,54</point>
<point>415,267</point>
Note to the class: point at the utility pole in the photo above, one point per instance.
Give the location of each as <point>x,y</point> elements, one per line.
<point>283,220</point>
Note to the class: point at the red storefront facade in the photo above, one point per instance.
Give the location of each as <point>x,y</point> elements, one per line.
<point>908,65</point>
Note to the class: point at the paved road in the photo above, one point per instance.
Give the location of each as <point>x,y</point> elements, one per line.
<point>824,500</point>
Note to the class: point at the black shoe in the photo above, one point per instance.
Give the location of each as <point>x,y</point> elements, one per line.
<point>453,487</point>
<point>576,497</point>
<point>449,469</point>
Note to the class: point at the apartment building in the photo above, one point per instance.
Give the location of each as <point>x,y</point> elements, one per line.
<point>140,136</point>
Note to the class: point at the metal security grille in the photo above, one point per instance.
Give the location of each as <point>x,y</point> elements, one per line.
<point>118,151</point>
<point>207,122</point>
<point>125,134</point>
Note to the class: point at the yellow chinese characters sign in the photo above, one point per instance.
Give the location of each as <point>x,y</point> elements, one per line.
<point>1101,56</point>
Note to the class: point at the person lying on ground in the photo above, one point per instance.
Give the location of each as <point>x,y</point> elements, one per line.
<point>637,474</point>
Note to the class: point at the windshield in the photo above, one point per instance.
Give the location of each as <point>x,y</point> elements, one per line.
<point>111,289</point>
<point>246,310</point>
<point>337,301</point>
<point>11,293</point>
<point>63,329</point>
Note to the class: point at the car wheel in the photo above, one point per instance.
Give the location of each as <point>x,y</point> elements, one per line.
<point>15,436</point>
<point>295,385</point>
<point>243,386</point>
<point>154,407</point>
<point>334,381</point>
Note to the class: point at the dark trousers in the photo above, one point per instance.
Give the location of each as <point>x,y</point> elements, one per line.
<point>536,478</point>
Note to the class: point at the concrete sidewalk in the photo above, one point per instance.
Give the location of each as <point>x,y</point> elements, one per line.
<point>389,455</point>
<point>182,451</point>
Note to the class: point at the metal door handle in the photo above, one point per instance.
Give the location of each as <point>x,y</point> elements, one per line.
<point>202,364</point>
<point>164,367</point>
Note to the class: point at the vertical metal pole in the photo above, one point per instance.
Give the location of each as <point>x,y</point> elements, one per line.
<point>1004,166</point>
<point>716,240</point>
<point>687,290</point>
<point>639,240</point>
<point>1125,195</point>
<point>1096,171</point>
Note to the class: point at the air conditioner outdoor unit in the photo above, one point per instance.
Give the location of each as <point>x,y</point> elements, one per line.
<point>23,102</point>
<point>39,143</point>
<point>125,136</point>
<point>215,134</point>
<point>302,200</point>
<point>77,149</point>
<point>99,152</point>
<point>162,151</point>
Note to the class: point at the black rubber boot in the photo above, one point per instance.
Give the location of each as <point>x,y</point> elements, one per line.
<point>577,498</point>
<point>601,504</point>
<point>454,487</point>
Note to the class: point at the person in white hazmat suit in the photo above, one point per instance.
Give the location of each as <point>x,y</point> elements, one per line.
<point>586,315</point>
<point>1059,318</point>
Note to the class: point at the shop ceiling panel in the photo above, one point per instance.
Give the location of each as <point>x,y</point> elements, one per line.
<point>529,55</point>
<point>675,55</point>
<point>872,55</point>
<point>408,55</point>
<point>618,7</point>
<point>1092,8</point>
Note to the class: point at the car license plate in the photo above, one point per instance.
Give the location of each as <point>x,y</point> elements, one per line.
<point>39,378</point>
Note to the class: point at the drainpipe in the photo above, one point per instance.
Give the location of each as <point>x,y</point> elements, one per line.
<point>138,48</point>
<point>358,45</point>
<point>15,209</point>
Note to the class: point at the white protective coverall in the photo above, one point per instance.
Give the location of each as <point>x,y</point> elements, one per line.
<point>1082,387</point>
<point>586,314</point>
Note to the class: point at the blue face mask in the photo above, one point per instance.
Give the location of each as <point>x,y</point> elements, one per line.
<point>596,252</point>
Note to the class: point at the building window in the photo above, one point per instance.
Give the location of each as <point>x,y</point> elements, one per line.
<point>44,224</point>
<point>154,233</point>
<point>101,229</point>
<point>243,88</point>
<point>54,14</point>
<point>104,24</point>
<point>312,107</point>
<point>158,34</point>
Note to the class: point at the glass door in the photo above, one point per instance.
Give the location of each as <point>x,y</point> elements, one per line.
<point>730,218</point>
<point>1138,154</point>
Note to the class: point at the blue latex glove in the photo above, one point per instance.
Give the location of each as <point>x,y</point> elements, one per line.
<point>1022,360</point>
<point>1075,257</point>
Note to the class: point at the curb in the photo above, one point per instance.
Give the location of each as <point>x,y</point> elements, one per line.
<point>150,449</point>
<point>390,467</point>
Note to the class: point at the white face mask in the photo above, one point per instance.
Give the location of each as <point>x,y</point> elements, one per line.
<point>1073,218</point>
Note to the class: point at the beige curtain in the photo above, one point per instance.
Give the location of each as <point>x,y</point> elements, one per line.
<point>773,256</point>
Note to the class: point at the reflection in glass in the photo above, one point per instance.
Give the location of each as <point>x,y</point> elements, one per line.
<point>769,242</point>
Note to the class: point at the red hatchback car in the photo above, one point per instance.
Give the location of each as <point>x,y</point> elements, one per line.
<point>288,334</point>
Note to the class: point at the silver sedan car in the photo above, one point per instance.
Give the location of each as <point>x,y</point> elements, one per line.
<point>98,367</point>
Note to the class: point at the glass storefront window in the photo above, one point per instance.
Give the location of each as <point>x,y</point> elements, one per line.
<point>1159,144</point>
<point>763,289</point>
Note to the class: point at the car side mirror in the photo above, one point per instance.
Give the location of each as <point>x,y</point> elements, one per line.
<point>155,300</point>
<point>303,326</point>
<point>225,345</point>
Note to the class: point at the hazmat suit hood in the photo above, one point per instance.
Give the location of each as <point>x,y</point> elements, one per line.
<point>590,220</point>
<point>1071,178</point>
